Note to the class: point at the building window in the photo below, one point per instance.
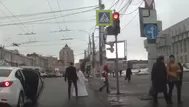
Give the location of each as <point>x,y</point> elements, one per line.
<point>180,46</point>
<point>173,49</point>
<point>177,47</point>
<point>181,59</point>
<point>185,58</point>
<point>185,45</point>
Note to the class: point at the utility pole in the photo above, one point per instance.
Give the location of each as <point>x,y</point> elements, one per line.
<point>116,26</point>
<point>116,66</point>
<point>94,54</point>
<point>90,48</point>
<point>85,54</point>
<point>100,36</point>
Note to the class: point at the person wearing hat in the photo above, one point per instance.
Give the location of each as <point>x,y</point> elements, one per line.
<point>105,76</point>
<point>159,80</point>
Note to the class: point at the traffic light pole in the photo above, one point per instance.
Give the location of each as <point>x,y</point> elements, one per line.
<point>116,66</point>
<point>100,37</point>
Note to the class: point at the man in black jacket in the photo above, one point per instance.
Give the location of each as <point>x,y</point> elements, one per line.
<point>71,76</point>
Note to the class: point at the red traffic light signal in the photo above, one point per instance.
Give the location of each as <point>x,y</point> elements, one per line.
<point>116,16</point>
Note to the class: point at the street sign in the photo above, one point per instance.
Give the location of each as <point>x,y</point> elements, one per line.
<point>151,31</point>
<point>104,18</point>
<point>149,3</point>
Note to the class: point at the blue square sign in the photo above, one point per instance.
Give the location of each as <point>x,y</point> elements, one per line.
<point>104,18</point>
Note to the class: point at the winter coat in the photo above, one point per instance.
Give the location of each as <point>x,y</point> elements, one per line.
<point>159,76</point>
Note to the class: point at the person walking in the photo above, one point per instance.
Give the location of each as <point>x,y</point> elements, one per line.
<point>81,84</point>
<point>120,72</point>
<point>105,76</point>
<point>181,75</point>
<point>71,76</point>
<point>128,74</point>
<point>159,80</point>
<point>174,72</point>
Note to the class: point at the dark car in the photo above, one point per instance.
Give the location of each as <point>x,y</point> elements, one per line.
<point>33,84</point>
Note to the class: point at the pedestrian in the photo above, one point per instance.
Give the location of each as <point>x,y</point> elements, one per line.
<point>105,76</point>
<point>181,75</point>
<point>120,72</point>
<point>81,84</point>
<point>159,80</point>
<point>174,72</point>
<point>71,76</point>
<point>128,74</point>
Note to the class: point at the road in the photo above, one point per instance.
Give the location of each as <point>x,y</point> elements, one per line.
<point>55,95</point>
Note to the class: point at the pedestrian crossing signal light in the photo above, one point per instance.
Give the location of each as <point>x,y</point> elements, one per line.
<point>116,16</point>
<point>116,23</point>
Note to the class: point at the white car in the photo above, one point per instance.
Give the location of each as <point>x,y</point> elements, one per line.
<point>43,74</point>
<point>11,88</point>
<point>15,90</point>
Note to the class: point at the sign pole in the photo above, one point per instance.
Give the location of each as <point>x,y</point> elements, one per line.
<point>151,49</point>
<point>116,66</point>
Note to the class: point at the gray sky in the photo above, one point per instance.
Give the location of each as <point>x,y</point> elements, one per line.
<point>169,11</point>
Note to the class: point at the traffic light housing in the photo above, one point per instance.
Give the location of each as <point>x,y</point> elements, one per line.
<point>116,23</point>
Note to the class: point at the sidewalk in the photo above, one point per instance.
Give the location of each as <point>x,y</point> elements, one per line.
<point>132,93</point>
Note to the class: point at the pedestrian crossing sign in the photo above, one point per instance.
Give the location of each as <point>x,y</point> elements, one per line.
<point>104,18</point>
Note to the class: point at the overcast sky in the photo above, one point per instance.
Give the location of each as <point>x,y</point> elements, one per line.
<point>169,11</point>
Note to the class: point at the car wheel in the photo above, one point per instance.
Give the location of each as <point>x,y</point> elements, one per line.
<point>21,100</point>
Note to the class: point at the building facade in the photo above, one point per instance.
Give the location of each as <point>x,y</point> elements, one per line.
<point>38,60</point>
<point>14,58</point>
<point>66,55</point>
<point>52,62</point>
<point>175,40</point>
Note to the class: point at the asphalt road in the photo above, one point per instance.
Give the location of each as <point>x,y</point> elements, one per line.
<point>55,95</point>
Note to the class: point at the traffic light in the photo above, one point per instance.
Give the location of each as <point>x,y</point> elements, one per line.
<point>116,23</point>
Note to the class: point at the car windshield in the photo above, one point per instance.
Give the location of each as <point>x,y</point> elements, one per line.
<point>5,72</point>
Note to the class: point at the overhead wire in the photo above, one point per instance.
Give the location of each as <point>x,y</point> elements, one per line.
<point>53,14</point>
<point>137,3</point>
<point>129,22</point>
<point>126,6</point>
<point>61,14</point>
<point>13,21</point>
<point>133,17</point>
<point>44,13</point>
<point>50,18</point>
<point>69,21</point>
<point>133,10</point>
<point>121,3</point>
<point>114,4</point>
<point>14,16</point>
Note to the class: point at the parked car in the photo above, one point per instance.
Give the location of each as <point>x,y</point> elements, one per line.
<point>143,72</point>
<point>18,86</point>
<point>43,74</point>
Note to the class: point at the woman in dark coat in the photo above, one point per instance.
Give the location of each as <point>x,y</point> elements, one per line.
<point>159,79</point>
